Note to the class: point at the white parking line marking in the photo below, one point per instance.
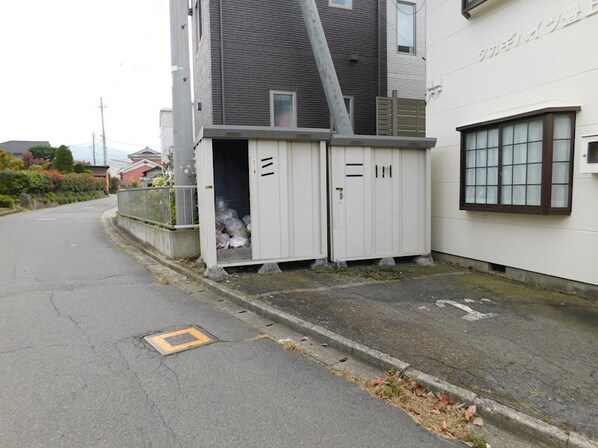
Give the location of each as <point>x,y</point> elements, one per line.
<point>472,315</point>
<point>46,219</point>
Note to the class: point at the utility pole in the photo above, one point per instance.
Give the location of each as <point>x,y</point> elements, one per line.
<point>93,143</point>
<point>103,131</point>
<point>182,109</point>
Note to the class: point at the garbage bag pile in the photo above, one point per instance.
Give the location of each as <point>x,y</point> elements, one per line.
<point>231,232</point>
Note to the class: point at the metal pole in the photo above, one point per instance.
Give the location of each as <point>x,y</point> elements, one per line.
<point>222,98</point>
<point>93,140</point>
<point>103,132</point>
<point>182,109</point>
<point>332,88</point>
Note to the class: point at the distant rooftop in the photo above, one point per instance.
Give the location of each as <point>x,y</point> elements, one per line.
<point>20,147</point>
<point>145,152</point>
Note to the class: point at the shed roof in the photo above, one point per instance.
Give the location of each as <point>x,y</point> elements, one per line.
<point>310,134</point>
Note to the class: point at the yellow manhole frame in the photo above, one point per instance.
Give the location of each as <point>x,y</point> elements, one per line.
<point>158,341</point>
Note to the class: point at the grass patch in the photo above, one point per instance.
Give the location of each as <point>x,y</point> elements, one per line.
<point>163,280</point>
<point>434,411</point>
<point>292,346</point>
<point>476,440</point>
<point>375,273</point>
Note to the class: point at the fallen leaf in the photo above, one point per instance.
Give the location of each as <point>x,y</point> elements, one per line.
<point>478,421</point>
<point>472,409</point>
<point>377,382</point>
<point>444,426</point>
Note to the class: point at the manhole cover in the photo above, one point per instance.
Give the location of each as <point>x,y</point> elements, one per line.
<point>171,342</point>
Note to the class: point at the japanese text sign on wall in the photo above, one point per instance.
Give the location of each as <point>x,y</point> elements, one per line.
<point>543,27</point>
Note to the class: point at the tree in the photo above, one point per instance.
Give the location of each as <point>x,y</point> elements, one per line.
<point>9,161</point>
<point>30,161</point>
<point>63,159</point>
<point>80,167</point>
<point>43,152</point>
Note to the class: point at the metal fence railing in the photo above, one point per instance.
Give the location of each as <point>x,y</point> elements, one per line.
<point>171,207</point>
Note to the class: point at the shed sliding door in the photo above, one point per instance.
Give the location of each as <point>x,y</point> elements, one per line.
<point>287,190</point>
<point>377,202</point>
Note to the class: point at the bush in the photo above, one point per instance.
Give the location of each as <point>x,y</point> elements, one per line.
<point>114,185</point>
<point>6,201</point>
<point>10,162</point>
<point>57,180</point>
<point>13,183</point>
<point>79,183</point>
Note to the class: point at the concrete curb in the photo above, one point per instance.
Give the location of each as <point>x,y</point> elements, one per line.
<point>9,212</point>
<point>500,415</point>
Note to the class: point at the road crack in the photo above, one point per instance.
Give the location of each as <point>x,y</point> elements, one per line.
<point>154,408</point>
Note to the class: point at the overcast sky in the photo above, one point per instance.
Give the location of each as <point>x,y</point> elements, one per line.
<point>60,56</point>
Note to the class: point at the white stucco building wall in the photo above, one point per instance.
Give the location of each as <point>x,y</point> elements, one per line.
<point>166,133</point>
<point>406,71</point>
<point>512,57</point>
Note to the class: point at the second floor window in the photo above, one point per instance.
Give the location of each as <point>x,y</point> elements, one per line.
<point>347,4</point>
<point>283,109</point>
<point>406,27</point>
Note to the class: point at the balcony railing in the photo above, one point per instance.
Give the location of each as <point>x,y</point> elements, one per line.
<point>159,206</point>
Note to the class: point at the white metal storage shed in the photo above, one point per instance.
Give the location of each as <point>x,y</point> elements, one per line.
<point>278,177</point>
<point>379,197</point>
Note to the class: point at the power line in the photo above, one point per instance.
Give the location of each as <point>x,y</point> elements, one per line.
<point>407,14</point>
<point>126,143</point>
<point>79,144</point>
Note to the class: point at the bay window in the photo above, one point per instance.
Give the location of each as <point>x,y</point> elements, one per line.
<point>522,165</point>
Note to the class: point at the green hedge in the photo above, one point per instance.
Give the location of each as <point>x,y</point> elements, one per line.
<point>13,183</point>
<point>6,201</point>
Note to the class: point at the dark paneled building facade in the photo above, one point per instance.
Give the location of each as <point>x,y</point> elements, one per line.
<point>253,63</point>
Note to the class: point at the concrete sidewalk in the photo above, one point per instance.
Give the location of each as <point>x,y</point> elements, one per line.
<point>530,349</point>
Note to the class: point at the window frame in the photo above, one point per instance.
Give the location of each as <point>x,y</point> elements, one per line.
<point>545,208</point>
<point>333,5</point>
<point>465,8</point>
<point>294,98</point>
<point>414,16</point>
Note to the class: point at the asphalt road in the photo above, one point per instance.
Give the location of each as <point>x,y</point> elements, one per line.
<point>75,372</point>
